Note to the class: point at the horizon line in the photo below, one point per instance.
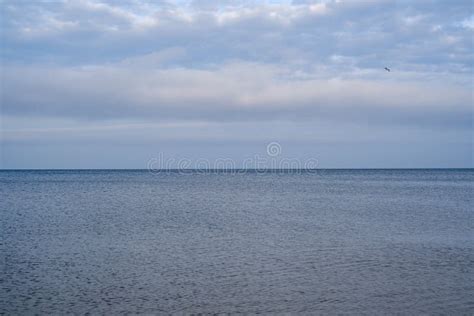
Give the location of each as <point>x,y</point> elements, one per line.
<point>228,169</point>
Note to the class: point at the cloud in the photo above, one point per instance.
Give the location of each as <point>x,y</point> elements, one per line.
<point>307,69</point>
<point>229,92</point>
<point>373,33</point>
<point>237,60</point>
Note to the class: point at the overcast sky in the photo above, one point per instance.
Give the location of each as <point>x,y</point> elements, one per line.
<point>89,84</point>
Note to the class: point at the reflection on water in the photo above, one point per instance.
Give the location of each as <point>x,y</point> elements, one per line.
<point>340,241</point>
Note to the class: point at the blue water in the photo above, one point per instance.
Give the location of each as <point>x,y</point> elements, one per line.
<point>333,241</point>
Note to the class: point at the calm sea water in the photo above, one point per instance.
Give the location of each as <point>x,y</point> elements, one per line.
<point>334,241</point>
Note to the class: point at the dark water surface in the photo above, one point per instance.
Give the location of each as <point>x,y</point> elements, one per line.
<point>335,241</point>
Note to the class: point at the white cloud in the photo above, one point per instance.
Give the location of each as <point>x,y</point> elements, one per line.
<point>468,23</point>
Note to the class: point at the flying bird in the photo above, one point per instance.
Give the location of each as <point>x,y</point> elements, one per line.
<point>388,69</point>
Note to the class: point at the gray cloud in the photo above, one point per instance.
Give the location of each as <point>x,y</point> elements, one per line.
<point>423,34</point>
<point>309,69</point>
<point>235,91</point>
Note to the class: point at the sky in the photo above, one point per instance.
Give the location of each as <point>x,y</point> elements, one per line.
<point>89,84</point>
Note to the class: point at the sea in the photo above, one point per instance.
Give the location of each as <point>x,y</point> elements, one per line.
<point>223,242</point>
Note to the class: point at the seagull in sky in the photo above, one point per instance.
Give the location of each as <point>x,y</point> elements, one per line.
<point>388,69</point>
